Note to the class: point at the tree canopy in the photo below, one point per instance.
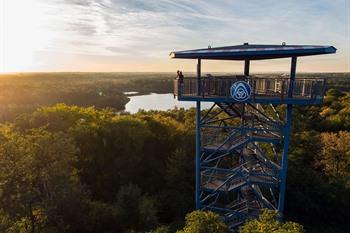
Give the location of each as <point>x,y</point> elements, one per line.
<point>268,222</point>
<point>66,168</point>
<point>203,222</point>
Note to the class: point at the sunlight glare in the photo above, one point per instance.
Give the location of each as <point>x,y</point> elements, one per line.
<point>23,34</point>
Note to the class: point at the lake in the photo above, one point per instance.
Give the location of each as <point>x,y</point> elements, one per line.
<point>155,101</point>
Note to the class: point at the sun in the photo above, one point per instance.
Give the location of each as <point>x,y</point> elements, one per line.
<point>22,34</point>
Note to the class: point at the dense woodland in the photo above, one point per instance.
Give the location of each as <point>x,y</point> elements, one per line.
<point>25,92</point>
<point>68,167</point>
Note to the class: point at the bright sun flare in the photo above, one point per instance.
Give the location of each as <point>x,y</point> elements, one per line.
<point>22,34</point>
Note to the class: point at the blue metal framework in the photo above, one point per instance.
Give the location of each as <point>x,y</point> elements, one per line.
<point>242,146</point>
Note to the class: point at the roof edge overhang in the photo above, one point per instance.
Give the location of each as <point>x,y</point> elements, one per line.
<point>254,52</point>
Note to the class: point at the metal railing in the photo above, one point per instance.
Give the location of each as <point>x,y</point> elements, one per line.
<point>262,87</point>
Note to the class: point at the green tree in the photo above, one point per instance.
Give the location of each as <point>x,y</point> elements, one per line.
<point>177,195</point>
<point>135,211</point>
<point>161,229</point>
<point>335,111</point>
<point>203,222</point>
<point>268,223</point>
<point>101,217</point>
<point>335,156</point>
<point>38,181</point>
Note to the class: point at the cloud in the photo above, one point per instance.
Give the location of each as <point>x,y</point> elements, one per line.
<point>153,28</point>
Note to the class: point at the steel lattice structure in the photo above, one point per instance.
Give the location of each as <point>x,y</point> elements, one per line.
<point>242,144</point>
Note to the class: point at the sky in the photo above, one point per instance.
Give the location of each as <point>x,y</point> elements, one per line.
<point>138,35</point>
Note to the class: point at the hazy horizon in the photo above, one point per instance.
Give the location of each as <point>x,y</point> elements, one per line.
<point>160,72</point>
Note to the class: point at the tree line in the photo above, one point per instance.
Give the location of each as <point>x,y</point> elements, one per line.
<point>25,92</point>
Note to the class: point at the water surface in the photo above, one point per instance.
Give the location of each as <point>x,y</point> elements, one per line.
<point>161,102</point>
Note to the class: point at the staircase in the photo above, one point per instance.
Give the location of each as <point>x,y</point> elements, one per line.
<point>229,109</point>
<point>250,170</point>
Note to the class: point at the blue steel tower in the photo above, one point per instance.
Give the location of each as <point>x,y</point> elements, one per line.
<point>242,140</point>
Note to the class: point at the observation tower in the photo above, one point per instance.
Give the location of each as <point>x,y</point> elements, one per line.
<point>242,140</point>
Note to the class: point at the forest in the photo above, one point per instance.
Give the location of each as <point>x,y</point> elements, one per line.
<point>25,92</point>
<point>72,161</point>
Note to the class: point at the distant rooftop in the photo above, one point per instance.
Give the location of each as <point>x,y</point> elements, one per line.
<point>253,52</point>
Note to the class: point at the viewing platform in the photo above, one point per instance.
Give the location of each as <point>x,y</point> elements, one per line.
<point>263,89</point>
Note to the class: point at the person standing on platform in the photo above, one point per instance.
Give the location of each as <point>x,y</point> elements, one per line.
<point>181,77</point>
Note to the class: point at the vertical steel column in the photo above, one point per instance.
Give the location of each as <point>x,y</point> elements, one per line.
<point>287,128</point>
<point>246,73</point>
<point>198,137</point>
<point>246,67</point>
<point>292,77</point>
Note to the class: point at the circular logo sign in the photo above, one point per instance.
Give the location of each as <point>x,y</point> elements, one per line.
<point>240,91</point>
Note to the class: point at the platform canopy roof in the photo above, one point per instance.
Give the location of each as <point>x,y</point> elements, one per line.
<point>253,52</point>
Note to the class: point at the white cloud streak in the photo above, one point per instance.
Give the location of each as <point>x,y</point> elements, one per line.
<point>152,28</point>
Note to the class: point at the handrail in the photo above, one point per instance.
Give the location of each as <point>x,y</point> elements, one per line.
<point>262,87</point>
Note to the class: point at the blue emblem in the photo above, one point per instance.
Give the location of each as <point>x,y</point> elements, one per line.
<point>240,91</point>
